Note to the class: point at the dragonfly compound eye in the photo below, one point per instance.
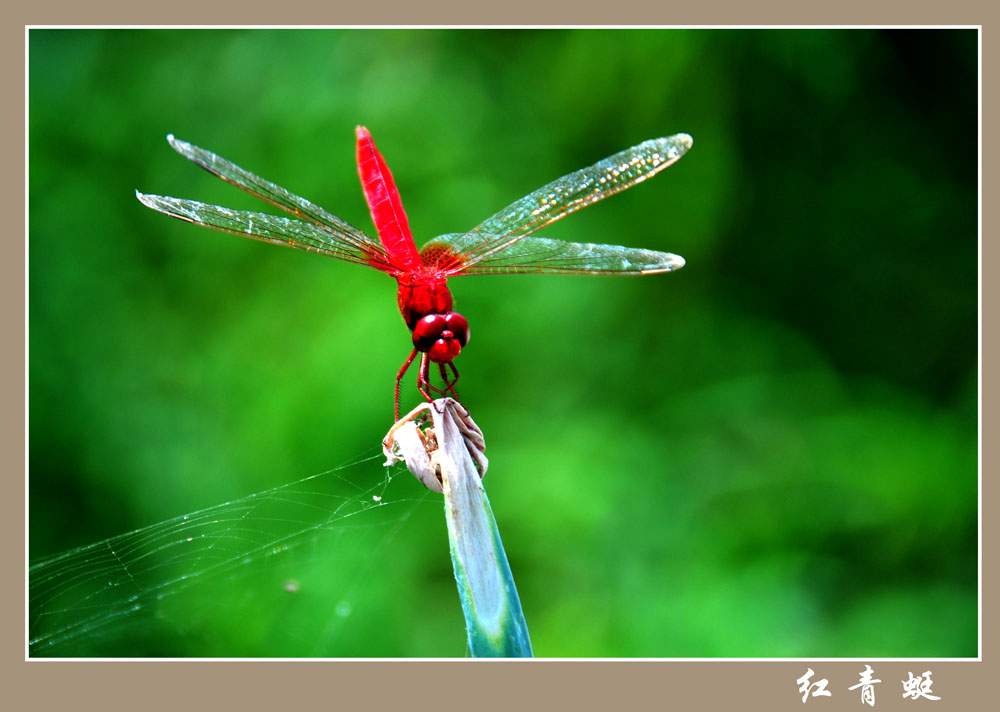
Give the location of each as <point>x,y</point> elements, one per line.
<point>428,330</point>
<point>442,336</point>
<point>459,326</point>
<point>444,350</point>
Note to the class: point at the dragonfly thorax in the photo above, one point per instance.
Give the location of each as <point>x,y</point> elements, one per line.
<point>422,296</point>
<point>425,303</point>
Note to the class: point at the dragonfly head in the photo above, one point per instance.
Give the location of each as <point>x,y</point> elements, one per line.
<point>441,336</point>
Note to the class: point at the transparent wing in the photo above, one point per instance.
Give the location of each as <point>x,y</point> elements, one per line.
<point>562,197</point>
<point>541,255</point>
<point>275,229</point>
<point>353,241</point>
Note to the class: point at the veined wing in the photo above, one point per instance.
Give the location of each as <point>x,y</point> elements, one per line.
<point>564,196</point>
<point>531,255</point>
<point>275,229</point>
<point>353,240</point>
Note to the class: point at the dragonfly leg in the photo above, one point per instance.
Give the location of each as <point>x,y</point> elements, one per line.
<point>444,377</point>
<point>399,377</point>
<point>424,377</point>
<point>425,381</point>
<point>449,385</point>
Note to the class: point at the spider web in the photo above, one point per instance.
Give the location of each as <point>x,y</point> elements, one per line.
<point>224,580</point>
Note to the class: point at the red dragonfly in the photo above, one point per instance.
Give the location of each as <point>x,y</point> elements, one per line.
<point>501,244</point>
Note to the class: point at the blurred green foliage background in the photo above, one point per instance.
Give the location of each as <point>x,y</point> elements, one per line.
<point>772,452</point>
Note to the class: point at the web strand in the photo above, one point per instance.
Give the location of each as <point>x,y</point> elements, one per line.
<point>113,597</point>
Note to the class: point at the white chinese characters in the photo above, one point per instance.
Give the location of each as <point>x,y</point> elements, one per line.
<point>805,686</point>
<point>867,685</point>
<point>917,687</point>
<point>913,688</point>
